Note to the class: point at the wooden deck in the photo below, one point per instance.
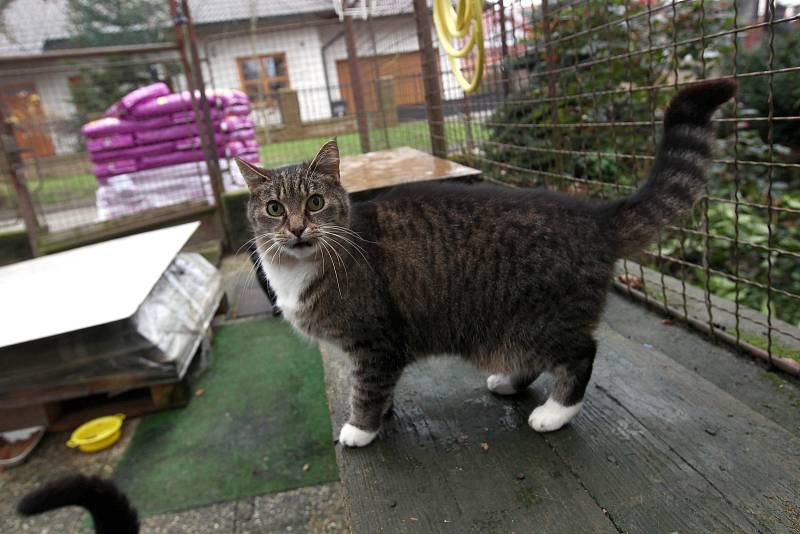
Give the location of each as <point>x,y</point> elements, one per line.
<point>676,435</point>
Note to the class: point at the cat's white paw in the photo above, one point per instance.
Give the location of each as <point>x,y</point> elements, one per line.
<point>352,436</point>
<point>552,415</point>
<point>500,384</point>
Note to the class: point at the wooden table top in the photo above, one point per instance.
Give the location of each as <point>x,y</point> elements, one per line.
<point>387,168</point>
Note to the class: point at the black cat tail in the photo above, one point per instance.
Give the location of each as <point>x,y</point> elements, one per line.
<point>110,509</point>
<point>677,178</point>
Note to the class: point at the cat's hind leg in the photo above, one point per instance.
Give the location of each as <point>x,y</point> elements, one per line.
<point>509,384</point>
<point>572,377</point>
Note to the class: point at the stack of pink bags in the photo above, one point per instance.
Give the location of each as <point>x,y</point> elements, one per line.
<point>151,127</point>
<point>146,150</point>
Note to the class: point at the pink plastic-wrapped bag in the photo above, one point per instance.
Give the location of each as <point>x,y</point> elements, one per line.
<point>168,104</point>
<point>230,97</point>
<point>235,122</point>
<point>114,125</point>
<point>180,131</point>
<point>180,117</point>
<point>173,158</point>
<point>108,126</point>
<point>110,142</point>
<point>127,102</point>
<point>192,143</point>
<point>241,135</point>
<point>133,152</point>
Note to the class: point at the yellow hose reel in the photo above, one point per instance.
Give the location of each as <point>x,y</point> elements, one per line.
<point>452,24</point>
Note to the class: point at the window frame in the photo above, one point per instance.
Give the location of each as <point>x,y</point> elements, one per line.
<point>264,79</point>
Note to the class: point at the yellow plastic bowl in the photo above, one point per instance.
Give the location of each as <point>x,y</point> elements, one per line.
<point>97,434</point>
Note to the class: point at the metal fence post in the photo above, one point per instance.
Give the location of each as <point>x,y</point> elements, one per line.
<point>551,87</point>
<point>504,48</point>
<point>8,144</point>
<point>194,79</point>
<point>355,83</point>
<point>430,78</point>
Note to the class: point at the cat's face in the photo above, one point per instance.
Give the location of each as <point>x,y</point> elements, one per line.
<point>298,211</point>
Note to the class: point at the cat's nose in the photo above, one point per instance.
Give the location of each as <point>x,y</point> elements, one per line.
<point>297,230</point>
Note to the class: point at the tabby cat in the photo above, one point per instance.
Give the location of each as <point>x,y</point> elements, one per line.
<point>511,280</point>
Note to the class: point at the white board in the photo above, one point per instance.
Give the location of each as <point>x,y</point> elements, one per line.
<point>84,287</point>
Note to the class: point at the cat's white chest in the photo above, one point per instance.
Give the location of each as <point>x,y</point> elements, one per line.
<point>289,281</point>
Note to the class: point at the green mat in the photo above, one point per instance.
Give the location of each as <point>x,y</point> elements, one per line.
<point>262,417</point>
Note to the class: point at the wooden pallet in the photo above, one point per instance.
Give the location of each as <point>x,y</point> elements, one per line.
<point>68,407</point>
<point>134,403</point>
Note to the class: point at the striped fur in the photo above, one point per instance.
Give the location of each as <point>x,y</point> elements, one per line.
<point>512,280</point>
<point>110,509</point>
<point>677,178</point>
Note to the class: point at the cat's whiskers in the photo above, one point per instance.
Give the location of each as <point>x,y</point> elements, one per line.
<point>337,237</point>
<point>349,231</point>
<point>347,240</point>
<point>335,274</point>
<point>341,261</point>
<point>344,247</point>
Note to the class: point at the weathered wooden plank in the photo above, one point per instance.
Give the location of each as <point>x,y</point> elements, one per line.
<point>633,473</point>
<point>429,473</point>
<point>772,394</point>
<point>752,464</point>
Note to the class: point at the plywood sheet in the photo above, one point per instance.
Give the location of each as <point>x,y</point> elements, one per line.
<point>84,287</point>
<point>388,168</point>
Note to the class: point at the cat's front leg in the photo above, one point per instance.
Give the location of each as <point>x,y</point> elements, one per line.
<point>374,379</point>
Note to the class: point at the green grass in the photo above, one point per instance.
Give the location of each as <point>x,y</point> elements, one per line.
<point>54,189</point>
<point>777,349</point>
<point>414,134</point>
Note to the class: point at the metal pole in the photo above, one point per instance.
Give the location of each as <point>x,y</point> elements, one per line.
<point>377,85</point>
<point>504,48</point>
<point>551,84</point>
<point>355,83</point>
<point>194,79</point>
<point>430,79</point>
<point>8,144</point>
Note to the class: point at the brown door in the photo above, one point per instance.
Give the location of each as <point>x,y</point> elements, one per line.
<point>22,106</point>
<point>406,69</point>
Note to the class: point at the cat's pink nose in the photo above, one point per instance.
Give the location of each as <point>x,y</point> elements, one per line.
<point>297,230</point>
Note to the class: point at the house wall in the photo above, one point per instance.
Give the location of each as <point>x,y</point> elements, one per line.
<point>303,48</point>
<point>56,102</point>
<point>304,63</point>
<point>392,35</point>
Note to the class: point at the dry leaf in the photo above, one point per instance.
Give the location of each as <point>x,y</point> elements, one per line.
<point>306,467</point>
<point>199,392</point>
<point>485,446</point>
<point>632,281</point>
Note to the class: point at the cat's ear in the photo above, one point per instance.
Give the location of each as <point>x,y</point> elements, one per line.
<point>253,176</point>
<point>327,160</point>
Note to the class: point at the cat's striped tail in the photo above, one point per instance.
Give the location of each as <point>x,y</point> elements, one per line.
<point>110,509</point>
<point>677,178</point>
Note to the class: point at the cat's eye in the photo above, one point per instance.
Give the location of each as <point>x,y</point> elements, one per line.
<point>274,208</point>
<point>315,203</point>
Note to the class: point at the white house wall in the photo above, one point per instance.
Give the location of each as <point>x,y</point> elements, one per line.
<point>304,63</point>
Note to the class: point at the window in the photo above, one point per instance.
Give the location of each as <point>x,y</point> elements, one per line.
<point>267,72</point>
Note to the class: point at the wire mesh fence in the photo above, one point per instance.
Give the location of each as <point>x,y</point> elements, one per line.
<point>571,99</point>
<point>587,82</point>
